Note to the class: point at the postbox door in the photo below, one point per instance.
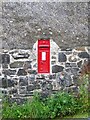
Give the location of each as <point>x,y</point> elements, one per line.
<point>43,56</point>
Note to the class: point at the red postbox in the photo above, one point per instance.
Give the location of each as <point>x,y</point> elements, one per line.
<point>43,56</point>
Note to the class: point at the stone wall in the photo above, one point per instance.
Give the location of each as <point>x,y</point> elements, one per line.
<point>19,78</point>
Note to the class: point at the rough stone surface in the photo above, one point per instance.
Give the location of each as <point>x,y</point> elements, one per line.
<point>4,83</point>
<point>72,71</point>
<point>56,69</point>
<point>4,66</point>
<point>31,77</point>
<point>21,72</point>
<point>74,64</point>
<point>84,55</point>
<point>30,88</point>
<point>22,90</point>
<point>27,65</point>
<point>13,91</point>
<point>16,64</point>
<point>72,58</point>
<point>64,79</point>
<point>10,83</point>
<point>9,72</point>
<point>32,72</point>
<point>5,59</point>
<point>46,86</point>
<point>23,81</point>
<point>20,55</point>
<point>62,57</point>
<point>79,63</point>
<point>17,100</point>
<point>67,64</point>
<point>0,58</point>
<point>24,22</point>
<point>20,79</point>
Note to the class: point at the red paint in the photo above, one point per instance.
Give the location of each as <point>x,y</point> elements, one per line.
<point>43,56</point>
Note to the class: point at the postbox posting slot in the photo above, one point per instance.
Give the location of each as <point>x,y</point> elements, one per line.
<point>44,46</point>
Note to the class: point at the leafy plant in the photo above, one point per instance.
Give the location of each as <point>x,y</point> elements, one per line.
<point>31,109</point>
<point>61,104</point>
<point>83,100</point>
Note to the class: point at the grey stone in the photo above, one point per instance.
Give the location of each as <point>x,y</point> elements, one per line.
<point>13,91</point>
<point>53,57</point>
<point>72,71</point>
<point>0,83</point>
<point>83,55</point>
<point>79,63</point>
<point>4,66</point>
<point>68,80</point>
<point>64,79</point>
<point>66,49</point>
<point>23,81</point>
<point>32,72</point>
<point>57,68</point>
<point>46,86</point>
<point>0,74</point>
<point>31,77</point>
<point>73,64</point>
<point>17,64</point>
<point>44,94</point>
<point>36,85</point>
<point>7,82</point>
<point>30,87</point>
<point>15,79</point>
<point>72,58</point>
<point>5,58</point>
<point>21,72</point>
<point>50,76</point>
<point>27,65</point>
<point>9,72</point>
<point>22,90</point>
<point>4,91</point>
<point>75,80</point>
<point>67,64</point>
<point>18,100</point>
<point>54,76</point>
<point>11,83</point>
<point>4,83</point>
<point>20,55</point>
<point>53,62</point>
<point>62,57</point>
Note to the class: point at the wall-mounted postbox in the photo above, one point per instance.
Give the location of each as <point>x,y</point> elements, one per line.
<point>43,56</point>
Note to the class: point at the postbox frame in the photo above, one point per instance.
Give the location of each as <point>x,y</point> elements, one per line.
<point>48,56</point>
